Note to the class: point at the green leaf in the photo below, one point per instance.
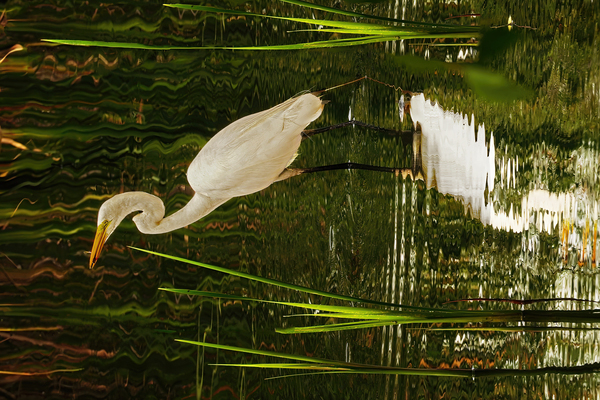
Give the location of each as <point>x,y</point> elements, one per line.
<point>493,86</point>
<point>286,366</point>
<point>259,352</point>
<point>486,84</point>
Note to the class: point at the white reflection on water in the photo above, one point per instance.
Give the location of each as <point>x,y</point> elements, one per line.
<point>457,161</point>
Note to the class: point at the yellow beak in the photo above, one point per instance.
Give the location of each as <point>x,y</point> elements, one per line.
<point>99,241</point>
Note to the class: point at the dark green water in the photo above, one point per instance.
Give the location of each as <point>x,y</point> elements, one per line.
<point>80,124</point>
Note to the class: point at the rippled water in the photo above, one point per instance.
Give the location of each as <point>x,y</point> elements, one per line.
<point>503,204</point>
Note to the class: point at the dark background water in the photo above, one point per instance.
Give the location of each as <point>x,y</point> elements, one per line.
<point>80,124</point>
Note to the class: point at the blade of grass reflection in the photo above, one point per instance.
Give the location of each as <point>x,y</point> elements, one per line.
<point>32,329</point>
<point>91,316</point>
<point>38,373</point>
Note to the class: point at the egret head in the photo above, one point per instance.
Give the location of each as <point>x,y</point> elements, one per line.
<point>109,217</point>
<point>116,208</point>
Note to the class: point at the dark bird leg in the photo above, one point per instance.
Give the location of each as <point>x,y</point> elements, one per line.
<point>404,172</point>
<point>405,135</point>
<point>412,137</point>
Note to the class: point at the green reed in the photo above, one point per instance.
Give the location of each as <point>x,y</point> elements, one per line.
<point>327,366</point>
<point>368,313</point>
<point>360,32</point>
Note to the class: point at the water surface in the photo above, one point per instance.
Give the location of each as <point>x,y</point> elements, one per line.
<point>507,209</point>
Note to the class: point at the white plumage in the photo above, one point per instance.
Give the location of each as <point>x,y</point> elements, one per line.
<point>245,157</point>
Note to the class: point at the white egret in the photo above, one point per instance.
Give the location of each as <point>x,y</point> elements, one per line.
<point>243,158</point>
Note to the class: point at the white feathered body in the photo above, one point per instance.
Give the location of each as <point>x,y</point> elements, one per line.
<point>243,158</point>
<point>250,154</point>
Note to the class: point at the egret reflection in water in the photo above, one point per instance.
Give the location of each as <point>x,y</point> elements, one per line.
<point>456,160</point>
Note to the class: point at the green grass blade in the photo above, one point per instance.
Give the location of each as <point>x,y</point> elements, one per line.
<point>445,44</point>
<point>116,45</point>
<point>311,360</point>
<point>417,319</point>
<point>297,46</point>
<point>320,362</point>
<point>394,32</point>
<point>356,315</point>
<point>366,16</point>
<point>372,317</point>
<point>336,327</point>
<point>341,367</point>
<point>593,368</point>
<point>337,311</point>
<point>330,43</point>
<point>366,31</point>
<point>332,23</point>
<point>285,366</point>
<point>449,373</point>
<point>276,282</point>
<point>319,307</point>
<point>431,27</point>
<point>532,329</point>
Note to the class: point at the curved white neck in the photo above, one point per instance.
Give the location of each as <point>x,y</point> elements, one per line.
<point>196,208</point>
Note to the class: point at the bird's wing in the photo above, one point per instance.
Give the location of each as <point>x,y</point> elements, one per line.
<point>249,154</point>
<point>243,166</point>
<point>249,125</point>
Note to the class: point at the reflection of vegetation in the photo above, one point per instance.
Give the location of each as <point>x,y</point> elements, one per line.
<point>38,373</point>
<point>564,93</point>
